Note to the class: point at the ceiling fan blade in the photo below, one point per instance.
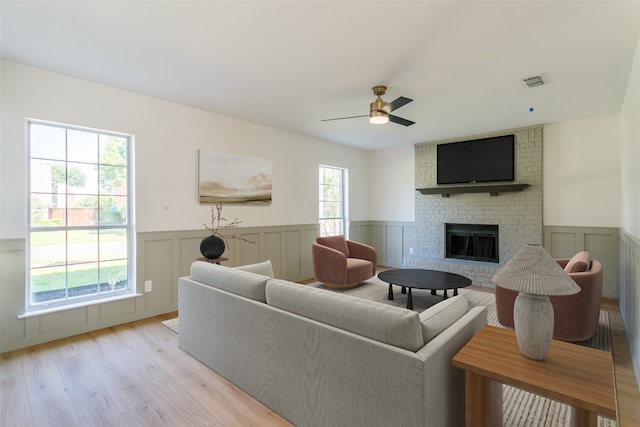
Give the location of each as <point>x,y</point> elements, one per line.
<point>397,103</point>
<point>342,118</point>
<point>400,120</point>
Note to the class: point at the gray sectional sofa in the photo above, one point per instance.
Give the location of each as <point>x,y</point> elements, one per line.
<point>320,358</point>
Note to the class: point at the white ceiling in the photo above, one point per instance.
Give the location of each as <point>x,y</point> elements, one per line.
<point>291,64</point>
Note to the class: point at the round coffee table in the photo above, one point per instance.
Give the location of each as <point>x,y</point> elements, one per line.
<point>423,279</point>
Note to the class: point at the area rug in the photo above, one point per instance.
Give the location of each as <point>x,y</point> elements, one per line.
<point>521,408</point>
<point>173,324</point>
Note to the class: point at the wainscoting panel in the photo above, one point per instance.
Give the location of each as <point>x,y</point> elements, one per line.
<point>188,250</point>
<point>112,310</point>
<point>161,257</point>
<point>309,236</point>
<point>360,231</point>
<point>12,279</point>
<point>246,252</point>
<point>273,251</point>
<point>63,320</point>
<point>164,256</point>
<point>561,243</point>
<point>393,240</point>
<point>630,294</point>
<point>293,248</point>
<point>378,239</point>
<point>408,240</point>
<point>163,294</point>
<point>601,242</point>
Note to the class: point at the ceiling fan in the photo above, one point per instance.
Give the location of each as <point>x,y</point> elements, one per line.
<point>379,110</point>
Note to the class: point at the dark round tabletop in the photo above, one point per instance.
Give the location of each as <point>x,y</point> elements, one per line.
<point>424,279</point>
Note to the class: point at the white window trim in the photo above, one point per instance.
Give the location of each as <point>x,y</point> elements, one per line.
<point>57,305</point>
<point>345,196</point>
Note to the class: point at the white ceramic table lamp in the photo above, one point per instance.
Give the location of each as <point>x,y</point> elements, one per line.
<point>535,275</point>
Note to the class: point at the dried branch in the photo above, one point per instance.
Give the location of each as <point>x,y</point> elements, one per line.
<point>218,221</point>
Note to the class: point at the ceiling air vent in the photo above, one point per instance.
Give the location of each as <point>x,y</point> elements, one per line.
<point>533,81</point>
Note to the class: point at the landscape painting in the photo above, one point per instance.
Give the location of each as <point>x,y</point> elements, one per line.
<point>228,178</point>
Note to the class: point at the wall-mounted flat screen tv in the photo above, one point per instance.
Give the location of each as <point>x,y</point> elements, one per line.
<point>479,160</point>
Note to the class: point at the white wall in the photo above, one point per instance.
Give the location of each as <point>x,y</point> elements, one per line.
<point>167,139</point>
<point>393,184</point>
<point>582,172</point>
<point>630,151</point>
<point>630,189</point>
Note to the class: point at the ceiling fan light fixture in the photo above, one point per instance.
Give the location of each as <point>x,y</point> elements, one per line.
<point>378,118</point>
<point>380,111</point>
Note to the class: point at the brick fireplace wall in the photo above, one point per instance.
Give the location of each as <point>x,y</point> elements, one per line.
<point>518,214</point>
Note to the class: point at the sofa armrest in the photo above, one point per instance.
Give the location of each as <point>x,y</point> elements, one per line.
<point>362,251</point>
<point>327,254</point>
<point>329,265</point>
<point>444,384</point>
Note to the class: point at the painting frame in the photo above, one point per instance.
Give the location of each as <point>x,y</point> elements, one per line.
<point>233,179</point>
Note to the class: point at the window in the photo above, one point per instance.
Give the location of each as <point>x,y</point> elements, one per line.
<point>333,196</point>
<point>80,209</point>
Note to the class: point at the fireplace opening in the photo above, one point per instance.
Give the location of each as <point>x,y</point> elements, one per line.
<point>475,242</point>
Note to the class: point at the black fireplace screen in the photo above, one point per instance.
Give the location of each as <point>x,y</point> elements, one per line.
<point>476,242</point>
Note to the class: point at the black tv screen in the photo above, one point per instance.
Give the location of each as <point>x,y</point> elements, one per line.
<point>479,160</point>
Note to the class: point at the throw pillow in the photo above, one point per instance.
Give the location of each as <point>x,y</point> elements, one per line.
<point>580,262</point>
<point>439,317</point>
<point>265,268</point>
<point>243,283</point>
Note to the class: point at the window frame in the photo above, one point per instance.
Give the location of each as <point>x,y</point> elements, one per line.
<point>128,227</point>
<point>344,211</point>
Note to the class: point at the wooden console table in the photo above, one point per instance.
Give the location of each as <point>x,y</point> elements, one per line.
<point>579,376</point>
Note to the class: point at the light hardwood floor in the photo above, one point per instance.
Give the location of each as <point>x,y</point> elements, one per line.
<point>628,394</point>
<point>128,375</point>
<point>135,375</point>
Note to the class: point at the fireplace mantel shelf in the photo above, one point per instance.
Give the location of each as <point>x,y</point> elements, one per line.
<point>459,189</point>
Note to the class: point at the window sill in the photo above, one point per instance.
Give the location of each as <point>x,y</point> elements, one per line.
<point>49,310</point>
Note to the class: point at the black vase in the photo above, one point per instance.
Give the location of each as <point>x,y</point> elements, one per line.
<point>212,247</point>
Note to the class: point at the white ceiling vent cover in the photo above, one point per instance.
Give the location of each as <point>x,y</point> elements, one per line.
<point>533,81</point>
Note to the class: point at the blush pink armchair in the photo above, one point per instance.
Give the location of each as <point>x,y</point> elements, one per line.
<point>341,263</point>
<point>575,316</point>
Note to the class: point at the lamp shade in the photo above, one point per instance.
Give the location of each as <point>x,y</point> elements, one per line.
<point>533,271</point>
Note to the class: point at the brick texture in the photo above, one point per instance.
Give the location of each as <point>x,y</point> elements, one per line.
<point>518,215</point>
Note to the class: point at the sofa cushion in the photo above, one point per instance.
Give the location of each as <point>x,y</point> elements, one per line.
<point>580,262</point>
<point>338,243</point>
<point>384,323</point>
<point>243,283</point>
<point>264,268</point>
<point>439,317</point>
